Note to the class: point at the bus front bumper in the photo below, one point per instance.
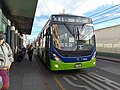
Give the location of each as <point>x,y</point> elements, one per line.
<point>55,65</point>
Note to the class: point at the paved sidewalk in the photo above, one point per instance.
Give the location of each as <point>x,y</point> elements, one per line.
<point>109,59</point>
<point>26,75</point>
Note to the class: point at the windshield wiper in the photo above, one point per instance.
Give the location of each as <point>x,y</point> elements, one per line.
<point>69,29</point>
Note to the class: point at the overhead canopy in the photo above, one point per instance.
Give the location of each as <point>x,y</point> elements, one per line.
<point>22,12</point>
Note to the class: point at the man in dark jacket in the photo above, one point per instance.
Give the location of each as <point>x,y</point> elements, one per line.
<point>30,52</point>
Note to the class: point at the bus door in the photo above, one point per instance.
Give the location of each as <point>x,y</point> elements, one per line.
<point>47,47</point>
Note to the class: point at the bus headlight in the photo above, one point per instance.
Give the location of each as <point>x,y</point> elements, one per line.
<point>56,65</point>
<point>56,58</point>
<point>94,63</point>
<point>94,55</point>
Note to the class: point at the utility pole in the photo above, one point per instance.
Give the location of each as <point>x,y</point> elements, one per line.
<point>63,11</point>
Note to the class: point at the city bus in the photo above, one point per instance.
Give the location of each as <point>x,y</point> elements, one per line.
<point>67,42</point>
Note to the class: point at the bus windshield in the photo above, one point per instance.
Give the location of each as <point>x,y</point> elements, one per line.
<point>73,36</point>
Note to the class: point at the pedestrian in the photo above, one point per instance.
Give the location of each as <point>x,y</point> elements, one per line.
<point>30,52</point>
<point>21,54</point>
<point>6,59</point>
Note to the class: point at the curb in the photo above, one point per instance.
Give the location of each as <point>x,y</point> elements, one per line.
<point>108,59</point>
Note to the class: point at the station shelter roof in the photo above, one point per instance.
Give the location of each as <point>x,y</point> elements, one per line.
<point>22,13</point>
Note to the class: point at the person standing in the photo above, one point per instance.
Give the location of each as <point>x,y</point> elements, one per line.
<point>6,59</point>
<point>30,52</point>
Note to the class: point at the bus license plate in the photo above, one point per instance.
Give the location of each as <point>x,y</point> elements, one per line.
<point>78,65</point>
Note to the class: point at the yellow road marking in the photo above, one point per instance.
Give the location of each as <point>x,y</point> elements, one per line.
<point>59,83</point>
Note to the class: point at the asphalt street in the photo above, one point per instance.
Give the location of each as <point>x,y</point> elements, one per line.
<point>105,76</point>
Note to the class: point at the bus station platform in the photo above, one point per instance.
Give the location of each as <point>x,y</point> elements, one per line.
<point>26,75</point>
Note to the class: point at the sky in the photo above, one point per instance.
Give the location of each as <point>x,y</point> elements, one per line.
<point>104,13</point>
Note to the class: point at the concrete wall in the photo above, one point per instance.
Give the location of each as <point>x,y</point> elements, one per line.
<point>108,39</point>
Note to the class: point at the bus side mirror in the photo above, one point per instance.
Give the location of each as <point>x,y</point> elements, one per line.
<point>49,31</point>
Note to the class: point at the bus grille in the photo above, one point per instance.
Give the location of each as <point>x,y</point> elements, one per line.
<point>74,53</point>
